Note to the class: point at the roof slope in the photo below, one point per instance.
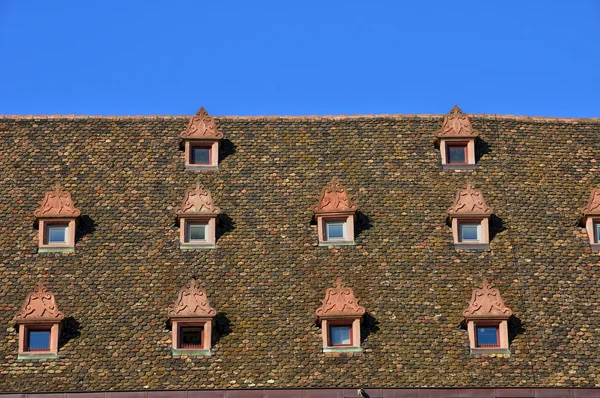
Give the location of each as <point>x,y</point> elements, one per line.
<point>267,276</point>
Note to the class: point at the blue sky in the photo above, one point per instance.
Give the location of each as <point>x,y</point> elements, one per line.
<point>299,57</point>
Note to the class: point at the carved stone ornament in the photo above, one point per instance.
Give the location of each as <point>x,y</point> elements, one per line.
<point>334,198</point>
<point>456,124</point>
<point>487,303</point>
<point>192,303</point>
<point>593,206</point>
<point>197,201</point>
<point>469,201</point>
<point>201,127</point>
<point>340,302</point>
<point>57,203</point>
<point>39,306</point>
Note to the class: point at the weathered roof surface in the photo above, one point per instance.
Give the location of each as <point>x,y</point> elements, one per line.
<point>267,276</point>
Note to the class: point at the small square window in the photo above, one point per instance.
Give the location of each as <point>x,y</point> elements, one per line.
<point>197,232</point>
<point>200,155</point>
<point>56,233</point>
<point>335,230</point>
<point>190,337</point>
<point>469,232</point>
<point>340,335</point>
<point>488,336</point>
<point>457,154</point>
<point>38,340</point>
<point>596,231</point>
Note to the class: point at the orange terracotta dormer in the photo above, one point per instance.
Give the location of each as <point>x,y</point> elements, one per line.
<point>39,325</point>
<point>201,140</point>
<point>197,219</point>
<point>470,217</point>
<point>57,217</point>
<point>191,319</point>
<point>340,317</point>
<point>335,214</point>
<point>456,140</point>
<point>590,217</point>
<point>487,321</point>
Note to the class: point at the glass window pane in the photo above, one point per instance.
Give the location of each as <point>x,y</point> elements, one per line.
<point>200,155</point>
<point>197,231</point>
<point>487,337</point>
<point>340,335</point>
<point>39,340</point>
<point>597,232</point>
<point>57,233</point>
<point>469,232</point>
<point>190,337</point>
<point>335,230</point>
<point>457,154</point>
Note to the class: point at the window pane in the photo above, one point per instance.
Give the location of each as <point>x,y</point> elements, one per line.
<point>335,230</point>
<point>191,337</point>
<point>57,233</point>
<point>340,335</point>
<point>487,337</point>
<point>469,232</point>
<point>197,232</point>
<point>39,340</point>
<point>597,232</point>
<point>200,155</point>
<point>457,154</point>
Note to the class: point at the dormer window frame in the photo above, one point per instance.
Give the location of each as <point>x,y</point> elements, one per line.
<point>340,308</point>
<point>201,132</point>
<point>457,130</point>
<point>197,208</point>
<point>57,208</point>
<point>590,219</point>
<point>335,206</point>
<point>39,312</point>
<point>470,207</point>
<point>487,310</point>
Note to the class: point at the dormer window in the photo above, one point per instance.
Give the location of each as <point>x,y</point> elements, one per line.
<point>340,317</point>
<point>487,321</point>
<point>197,219</point>
<point>470,216</point>
<point>191,321</point>
<point>201,141</point>
<point>591,219</point>
<point>456,141</point>
<point>39,325</point>
<point>335,214</point>
<point>56,218</point>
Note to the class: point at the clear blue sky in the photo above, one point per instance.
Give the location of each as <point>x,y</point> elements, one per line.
<point>299,57</point>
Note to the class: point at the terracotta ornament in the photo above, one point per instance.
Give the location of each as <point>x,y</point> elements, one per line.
<point>334,198</point>
<point>201,126</point>
<point>456,124</point>
<point>39,305</point>
<point>469,201</point>
<point>593,205</point>
<point>197,200</point>
<point>57,203</point>
<point>340,302</point>
<point>486,302</point>
<point>192,302</point>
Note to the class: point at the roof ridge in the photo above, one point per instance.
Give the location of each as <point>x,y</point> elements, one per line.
<point>334,117</point>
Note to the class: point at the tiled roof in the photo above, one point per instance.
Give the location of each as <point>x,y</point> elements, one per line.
<point>267,275</point>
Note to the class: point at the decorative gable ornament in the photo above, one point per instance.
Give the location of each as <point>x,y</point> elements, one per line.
<point>39,314</point>
<point>197,219</point>
<point>487,312</point>
<point>57,216</point>
<point>590,217</point>
<point>201,140</point>
<point>470,215</point>
<point>456,140</point>
<point>335,208</point>
<point>340,302</point>
<point>340,314</point>
<point>191,319</point>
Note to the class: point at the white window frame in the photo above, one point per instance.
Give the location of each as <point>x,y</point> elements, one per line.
<point>344,229</point>
<point>52,225</point>
<point>460,232</point>
<point>189,231</point>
